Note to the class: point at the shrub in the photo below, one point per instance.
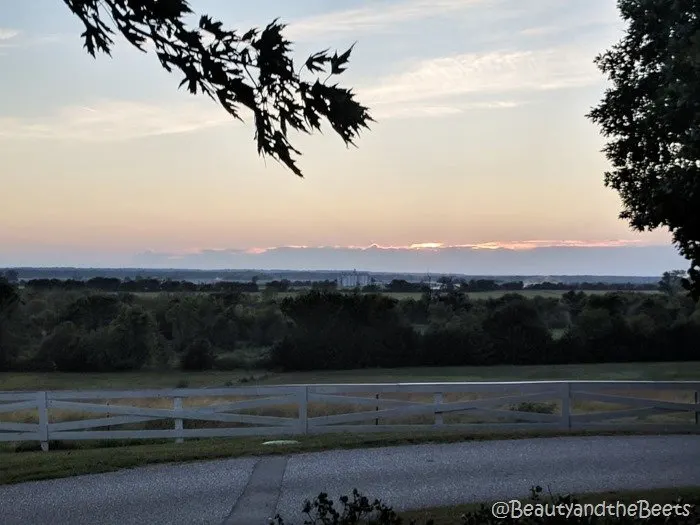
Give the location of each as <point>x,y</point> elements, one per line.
<point>448,346</point>
<point>93,311</point>
<point>357,510</point>
<point>198,355</point>
<point>517,332</point>
<point>134,339</point>
<point>339,331</point>
<point>68,350</point>
<point>537,408</point>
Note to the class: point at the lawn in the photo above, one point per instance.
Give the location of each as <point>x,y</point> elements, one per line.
<point>90,457</point>
<point>174,378</point>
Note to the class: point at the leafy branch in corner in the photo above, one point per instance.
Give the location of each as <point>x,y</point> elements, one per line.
<point>253,69</point>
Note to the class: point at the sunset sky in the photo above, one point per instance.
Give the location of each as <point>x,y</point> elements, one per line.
<point>480,139</point>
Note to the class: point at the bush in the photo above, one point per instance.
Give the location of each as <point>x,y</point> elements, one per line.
<point>127,343</point>
<point>358,510</point>
<point>517,332</point>
<point>66,349</point>
<point>243,358</point>
<point>93,311</point>
<point>338,331</point>
<point>448,346</point>
<point>198,355</point>
<point>134,339</point>
<point>537,408</point>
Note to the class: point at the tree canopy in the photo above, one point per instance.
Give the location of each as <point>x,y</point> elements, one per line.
<point>254,69</point>
<point>651,116</point>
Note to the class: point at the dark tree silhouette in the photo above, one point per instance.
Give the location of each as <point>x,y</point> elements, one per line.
<point>9,300</point>
<point>253,69</point>
<point>651,115</point>
<point>671,282</point>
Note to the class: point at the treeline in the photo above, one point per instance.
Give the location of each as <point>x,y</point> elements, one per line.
<point>333,331</point>
<point>491,285</point>
<point>83,330</point>
<point>152,285</point>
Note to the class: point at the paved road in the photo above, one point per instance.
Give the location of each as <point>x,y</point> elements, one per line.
<point>245,491</point>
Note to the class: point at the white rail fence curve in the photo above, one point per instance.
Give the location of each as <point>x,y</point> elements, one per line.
<point>381,407</point>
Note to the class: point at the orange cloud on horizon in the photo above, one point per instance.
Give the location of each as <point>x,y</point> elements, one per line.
<point>496,245</point>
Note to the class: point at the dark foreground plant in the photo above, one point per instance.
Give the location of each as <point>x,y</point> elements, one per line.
<point>537,510</point>
<point>356,511</point>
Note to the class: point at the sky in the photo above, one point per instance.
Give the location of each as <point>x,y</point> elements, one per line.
<point>481,147</point>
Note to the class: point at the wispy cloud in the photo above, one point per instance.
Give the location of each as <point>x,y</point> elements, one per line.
<point>112,120</point>
<point>7,34</point>
<point>115,120</point>
<point>388,111</point>
<point>438,87</point>
<point>439,246</point>
<point>7,39</point>
<point>485,74</point>
<point>542,30</point>
<point>374,18</point>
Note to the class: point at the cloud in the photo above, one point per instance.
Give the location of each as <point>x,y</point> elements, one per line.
<point>438,246</point>
<point>542,30</point>
<point>400,111</point>
<point>375,18</point>
<point>115,120</point>
<point>534,258</point>
<point>7,34</point>
<point>7,39</point>
<point>437,87</point>
<point>111,120</point>
<point>488,73</point>
<point>20,38</point>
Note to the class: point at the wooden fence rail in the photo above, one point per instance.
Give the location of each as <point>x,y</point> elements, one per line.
<point>289,410</point>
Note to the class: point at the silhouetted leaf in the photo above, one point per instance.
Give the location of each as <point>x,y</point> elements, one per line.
<point>338,61</point>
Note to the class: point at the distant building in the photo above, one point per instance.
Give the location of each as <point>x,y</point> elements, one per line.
<point>354,280</point>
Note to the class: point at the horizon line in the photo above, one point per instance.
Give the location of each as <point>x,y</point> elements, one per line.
<point>288,270</point>
<point>429,246</point>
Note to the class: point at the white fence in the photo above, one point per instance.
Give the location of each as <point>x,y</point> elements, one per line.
<point>313,409</point>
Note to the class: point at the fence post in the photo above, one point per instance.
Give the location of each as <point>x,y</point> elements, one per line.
<point>42,405</point>
<point>566,405</point>
<point>177,406</point>
<point>376,409</point>
<point>303,396</point>
<point>437,398</point>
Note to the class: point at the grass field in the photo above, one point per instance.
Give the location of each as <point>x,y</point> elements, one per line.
<point>173,378</point>
<point>83,457</point>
